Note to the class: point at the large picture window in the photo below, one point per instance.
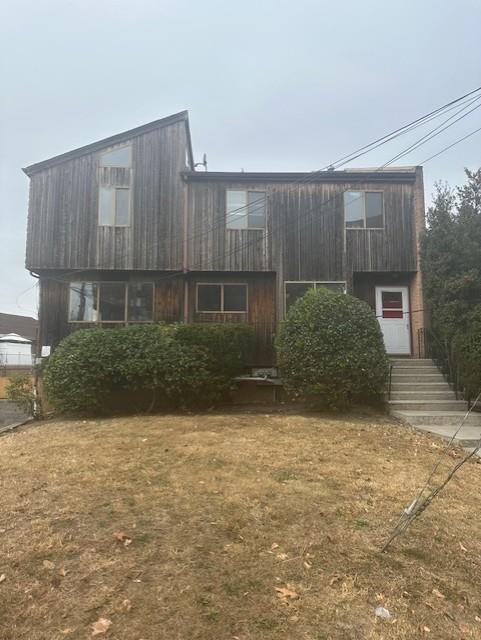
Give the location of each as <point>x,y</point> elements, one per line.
<point>363,209</point>
<point>295,290</point>
<point>245,209</point>
<point>222,298</point>
<point>122,302</point>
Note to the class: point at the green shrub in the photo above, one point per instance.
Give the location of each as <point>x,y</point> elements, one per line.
<point>331,351</point>
<point>229,345</point>
<point>143,367</point>
<point>467,354</point>
<point>20,391</point>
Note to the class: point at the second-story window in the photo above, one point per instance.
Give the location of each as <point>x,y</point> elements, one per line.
<point>114,206</point>
<point>363,209</point>
<point>245,209</point>
<point>114,189</point>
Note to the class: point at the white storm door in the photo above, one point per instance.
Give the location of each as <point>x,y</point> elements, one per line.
<point>392,311</point>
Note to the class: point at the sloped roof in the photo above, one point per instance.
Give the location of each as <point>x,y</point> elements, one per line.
<point>23,326</point>
<point>182,116</point>
<point>13,337</point>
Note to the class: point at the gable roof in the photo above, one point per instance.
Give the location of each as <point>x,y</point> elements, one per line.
<point>22,325</point>
<point>182,116</point>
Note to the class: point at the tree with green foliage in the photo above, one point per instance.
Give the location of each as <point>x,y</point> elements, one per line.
<point>451,266</point>
<point>331,351</point>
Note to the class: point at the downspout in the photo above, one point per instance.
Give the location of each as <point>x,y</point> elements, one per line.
<point>185,252</point>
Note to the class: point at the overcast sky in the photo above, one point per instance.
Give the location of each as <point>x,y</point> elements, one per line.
<point>269,85</point>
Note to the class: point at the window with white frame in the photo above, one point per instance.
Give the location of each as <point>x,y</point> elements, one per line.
<point>245,209</point>
<point>124,302</point>
<point>221,298</point>
<point>295,290</point>
<point>364,209</point>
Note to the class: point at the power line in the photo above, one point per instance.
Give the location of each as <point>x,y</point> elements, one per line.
<point>414,124</point>
<point>451,145</point>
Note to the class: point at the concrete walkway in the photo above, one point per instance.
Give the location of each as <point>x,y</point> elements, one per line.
<point>421,397</point>
<point>10,415</point>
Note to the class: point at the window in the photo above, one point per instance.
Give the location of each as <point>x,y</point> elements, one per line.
<point>83,302</point>
<point>114,206</point>
<point>120,157</point>
<point>245,209</point>
<point>392,304</point>
<point>222,298</point>
<point>107,302</point>
<point>363,209</point>
<point>141,301</point>
<point>295,290</point>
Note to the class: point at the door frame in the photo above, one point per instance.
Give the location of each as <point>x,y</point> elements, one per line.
<point>406,302</point>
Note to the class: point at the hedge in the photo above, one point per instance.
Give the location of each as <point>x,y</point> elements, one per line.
<point>145,367</point>
<point>331,351</point>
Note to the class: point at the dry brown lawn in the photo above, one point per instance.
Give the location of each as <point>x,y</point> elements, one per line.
<point>232,526</point>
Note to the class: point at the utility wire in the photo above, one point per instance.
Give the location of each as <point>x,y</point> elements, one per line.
<point>310,176</point>
<point>465,99</point>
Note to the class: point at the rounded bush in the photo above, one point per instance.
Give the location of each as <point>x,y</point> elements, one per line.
<point>135,368</point>
<point>331,351</point>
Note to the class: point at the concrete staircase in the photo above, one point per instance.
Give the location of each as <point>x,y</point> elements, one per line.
<point>421,397</point>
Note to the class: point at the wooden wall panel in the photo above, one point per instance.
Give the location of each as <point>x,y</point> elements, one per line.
<point>261,312</point>
<point>63,231</point>
<point>305,237</point>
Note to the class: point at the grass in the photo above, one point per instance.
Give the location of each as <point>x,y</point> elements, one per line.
<point>238,526</point>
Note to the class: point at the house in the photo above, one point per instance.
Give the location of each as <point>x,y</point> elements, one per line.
<point>125,230</point>
<point>18,335</point>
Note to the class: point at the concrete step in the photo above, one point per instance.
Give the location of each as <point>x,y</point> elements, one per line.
<point>466,437</point>
<point>427,405</point>
<point>422,395</point>
<point>420,386</point>
<point>413,361</point>
<point>414,370</point>
<point>450,418</point>
<point>416,377</point>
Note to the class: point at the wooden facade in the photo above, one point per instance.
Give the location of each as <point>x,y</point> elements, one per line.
<point>177,234</point>
<point>63,230</point>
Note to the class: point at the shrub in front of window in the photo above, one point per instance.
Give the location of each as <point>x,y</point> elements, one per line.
<point>331,351</point>
<point>137,368</point>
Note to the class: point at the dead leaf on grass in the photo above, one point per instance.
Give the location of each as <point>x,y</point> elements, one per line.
<point>122,537</point>
<point>126,605</point>
<point>3,577</point>
<point>426,630</point>
<point>286,594</point>
<point>438,594</point>
<point>101,626</point>
<point>463,548</point>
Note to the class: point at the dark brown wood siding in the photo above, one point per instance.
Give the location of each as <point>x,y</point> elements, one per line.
<point>305,238</point>
<point>54,300</point>
<point>261,309</point>
<point>63,231</point>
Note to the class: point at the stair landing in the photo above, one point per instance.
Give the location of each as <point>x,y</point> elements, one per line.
<point>421,397</point>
